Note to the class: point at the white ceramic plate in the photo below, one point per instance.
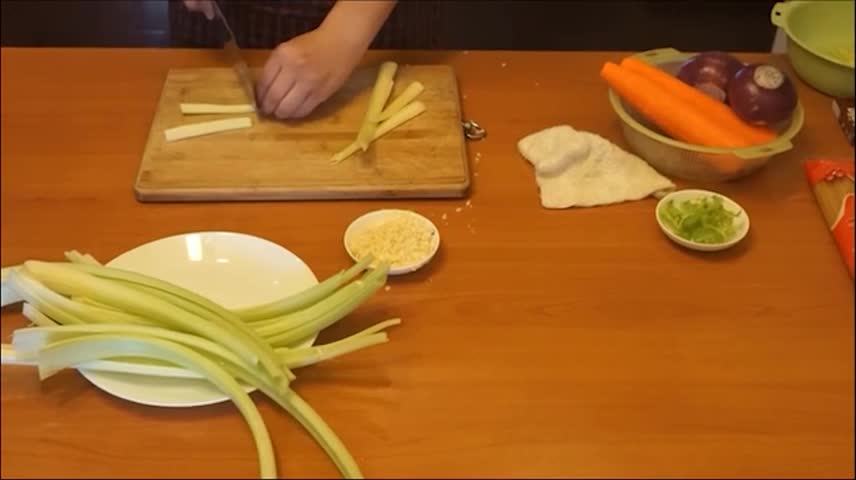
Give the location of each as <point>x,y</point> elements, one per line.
<point>374,217</point>
<point>741,222</point>
<point>233,269</point>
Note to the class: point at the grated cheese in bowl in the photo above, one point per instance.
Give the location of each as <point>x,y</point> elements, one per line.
<point>403,239</point>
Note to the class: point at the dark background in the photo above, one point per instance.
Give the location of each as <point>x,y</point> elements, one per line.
<point>736,25</point>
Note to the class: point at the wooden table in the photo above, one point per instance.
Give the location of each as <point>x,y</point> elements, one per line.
<point>539,343</point>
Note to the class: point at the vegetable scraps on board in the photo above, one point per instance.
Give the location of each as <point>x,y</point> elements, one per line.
<point>714,100</point>
<point>380,118</point>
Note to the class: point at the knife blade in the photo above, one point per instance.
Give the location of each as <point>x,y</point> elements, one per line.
<point>234,53</point>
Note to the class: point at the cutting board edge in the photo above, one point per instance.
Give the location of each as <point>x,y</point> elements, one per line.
<point>144,158</point>
<point>465,158</point>
<point>154,195</point>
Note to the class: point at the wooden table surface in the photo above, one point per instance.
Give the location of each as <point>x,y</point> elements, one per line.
<point>538,343</point>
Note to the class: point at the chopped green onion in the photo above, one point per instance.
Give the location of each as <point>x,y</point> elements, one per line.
<point>702,220</point>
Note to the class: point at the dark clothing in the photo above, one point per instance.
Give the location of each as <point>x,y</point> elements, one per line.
<point>264,24</point>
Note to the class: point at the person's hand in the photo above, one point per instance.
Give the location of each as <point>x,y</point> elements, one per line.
<point>305,71</point>
<point>204,6</point>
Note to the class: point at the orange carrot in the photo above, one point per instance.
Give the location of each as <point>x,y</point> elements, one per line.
<point>716,110</point>
<point>674,116</point>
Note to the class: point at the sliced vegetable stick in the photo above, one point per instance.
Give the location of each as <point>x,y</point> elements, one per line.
<point>403,99</point>
<point>712,108</point>
<point>206,128</point>
<point>380,94</point>
<point>406,114</point>
<point>203,108</point>
<point>676,117</point>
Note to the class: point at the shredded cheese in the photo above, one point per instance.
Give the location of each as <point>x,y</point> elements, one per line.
<point>399,240</point>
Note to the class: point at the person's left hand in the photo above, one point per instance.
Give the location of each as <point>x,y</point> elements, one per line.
<point>303,72</point>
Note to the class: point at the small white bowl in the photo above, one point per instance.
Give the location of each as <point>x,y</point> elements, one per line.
<point>374,217</point>
<point>742,222</point>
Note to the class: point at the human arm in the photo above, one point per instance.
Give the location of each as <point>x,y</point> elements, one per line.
<point>204,6</point>
<point>303,72</point>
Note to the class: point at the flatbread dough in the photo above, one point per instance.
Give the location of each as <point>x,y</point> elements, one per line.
<point>581,169</point>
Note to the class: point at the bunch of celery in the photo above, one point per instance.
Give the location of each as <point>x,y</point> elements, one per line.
<point>90,316</point>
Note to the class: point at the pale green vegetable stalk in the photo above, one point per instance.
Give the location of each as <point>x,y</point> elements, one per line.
<point>369,285</point>
<point>296,357</point>
<point>227,320</point>
<point>67,353</point>
<point>69,281</point>
<point>184,299</point>
<point>8,295</point>
<point>29,341</point>
<point>333,304</point>
<point>34,338</point>
<point>304,298</point>
<point>38,318</point>
<point>76,257</point>
<point>378,327</point>
<point>138,366</point>
<point>93,303</point>
<point>273,326</point>
<point>302,357</point>
<point>64,310</point>
<point>42,298</point>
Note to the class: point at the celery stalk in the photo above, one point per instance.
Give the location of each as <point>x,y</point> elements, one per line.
<point>67,311</point>
<point>378,327</point>
<point>70,281</point>
<point>371,283</point>
<point>42,298</point>
<point>188,301</point>
<point>306,297</point>
<point>36,317</point>
<point>74,256</point>
<point>65,353</point>
<point>29,340</point>
<point>8,295</point>
<point>336,305</point>
<point>293,320</point>
<point>302,357</point>
<point>32,338</point>
<point>10,356</point>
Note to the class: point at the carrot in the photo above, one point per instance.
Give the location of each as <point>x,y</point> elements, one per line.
<point>716,110</point>
<point>681,120</point>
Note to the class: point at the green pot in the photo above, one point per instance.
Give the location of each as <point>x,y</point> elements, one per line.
<point>820,42</point>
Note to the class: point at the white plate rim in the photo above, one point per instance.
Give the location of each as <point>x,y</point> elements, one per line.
<point>97,377</point>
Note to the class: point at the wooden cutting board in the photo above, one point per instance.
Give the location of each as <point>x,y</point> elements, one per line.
<point>290,160</point>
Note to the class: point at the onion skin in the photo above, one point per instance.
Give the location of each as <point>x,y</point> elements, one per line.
<point>761,94</point>
<point>711,72</point>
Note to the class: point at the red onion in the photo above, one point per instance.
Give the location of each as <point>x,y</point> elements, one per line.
<point>710,72</point>
<point>762,94</point>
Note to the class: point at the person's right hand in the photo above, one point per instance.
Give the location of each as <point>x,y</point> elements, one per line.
<point>204,6</point>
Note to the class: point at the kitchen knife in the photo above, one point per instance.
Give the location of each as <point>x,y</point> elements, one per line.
<point>234,54</point>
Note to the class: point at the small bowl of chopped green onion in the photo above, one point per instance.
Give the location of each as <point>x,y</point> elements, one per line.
<point>402,239</point>
<point>702,220</point>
